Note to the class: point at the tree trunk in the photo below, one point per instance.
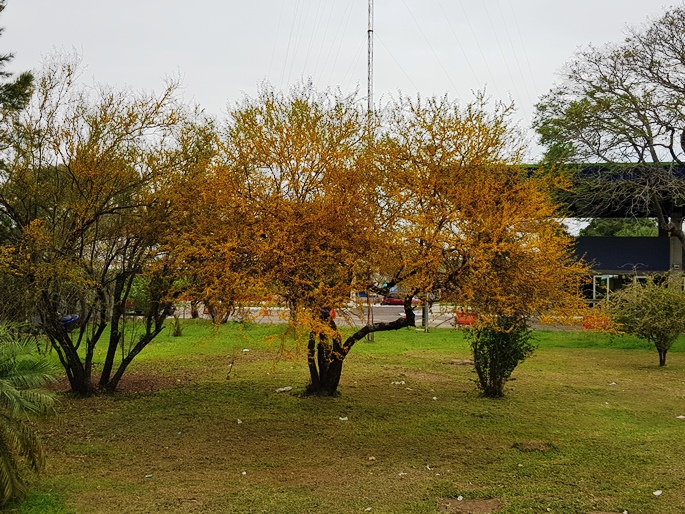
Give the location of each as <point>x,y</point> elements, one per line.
<point>329,385</point>
<point>315,384</point>
<point>662,357</point>
<point>324,381</point>
<point>153,326</point>
<point>115,329</point>
<point>113,383</point>
<point>329,355</point>
<point>77,374</point>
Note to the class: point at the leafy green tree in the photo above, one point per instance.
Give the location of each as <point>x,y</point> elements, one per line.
<point>22,373</point>
<point>620,106</point>
<point>14,94</point>
<point>620,227</point>
<point>653,310</point>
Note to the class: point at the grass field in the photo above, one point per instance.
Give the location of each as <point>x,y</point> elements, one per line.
<point>589,425</point>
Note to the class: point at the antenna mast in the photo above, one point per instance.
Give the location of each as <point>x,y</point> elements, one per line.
<point>369,99</point>
<point>370,58</point>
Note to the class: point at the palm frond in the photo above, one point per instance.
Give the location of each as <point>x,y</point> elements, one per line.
<point>22,373</point>
<point>11,485</point>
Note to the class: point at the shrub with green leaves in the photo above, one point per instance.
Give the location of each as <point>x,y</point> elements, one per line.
<point>653,310</point>
<point>498,347</point>
<point>22,373</point>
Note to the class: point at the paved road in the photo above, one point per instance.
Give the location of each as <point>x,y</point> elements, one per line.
<point>438,316</point>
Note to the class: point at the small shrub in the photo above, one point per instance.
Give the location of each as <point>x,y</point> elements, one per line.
<point>498,347</point>
<point>653,311</point>
<point>177,327</point>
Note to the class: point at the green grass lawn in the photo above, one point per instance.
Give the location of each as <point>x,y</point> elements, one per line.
<point>589,425</point>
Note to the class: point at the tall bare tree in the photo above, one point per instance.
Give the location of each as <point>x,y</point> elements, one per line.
<point>621,106</point>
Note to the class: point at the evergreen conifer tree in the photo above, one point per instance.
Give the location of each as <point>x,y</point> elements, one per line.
<point>14,93</point>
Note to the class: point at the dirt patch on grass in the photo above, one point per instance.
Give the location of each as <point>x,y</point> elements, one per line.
<point>534,446</point>
<point>425,377</point>
<point>459,362</point>
<point>137,382</point>
<point>455,506</point>
<point>146,382</point>
<point>415,376</point>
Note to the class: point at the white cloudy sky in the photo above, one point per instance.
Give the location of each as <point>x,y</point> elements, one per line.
<point>222,49</point>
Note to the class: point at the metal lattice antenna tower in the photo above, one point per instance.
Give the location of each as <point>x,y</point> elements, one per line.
<point>369,99</point>
<point>370,59</point>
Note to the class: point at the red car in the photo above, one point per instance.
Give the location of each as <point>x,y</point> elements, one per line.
<point>397,299</point>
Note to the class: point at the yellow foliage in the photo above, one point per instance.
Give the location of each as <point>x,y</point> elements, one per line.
<point>310,198</point>
<point>306,200</point>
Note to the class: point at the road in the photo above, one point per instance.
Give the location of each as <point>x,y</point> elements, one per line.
<point>439,316</point>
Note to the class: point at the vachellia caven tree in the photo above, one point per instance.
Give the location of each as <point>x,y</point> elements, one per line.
<point>653,311</point>
<point>289,208</point>
<point>522,267</point>
<point>81,193</point>
<point>311,198</point>
<point>621,106</point>
<point>476,229</point>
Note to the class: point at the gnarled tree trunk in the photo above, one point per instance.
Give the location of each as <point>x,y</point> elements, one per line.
<point>326,355</point>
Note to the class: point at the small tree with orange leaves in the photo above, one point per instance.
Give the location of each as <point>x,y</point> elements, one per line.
<point>475,228</point>
<point>290,208</point>
<point>82,192</point>
<point>523,267</point>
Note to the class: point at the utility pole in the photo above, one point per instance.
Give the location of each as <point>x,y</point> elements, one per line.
<point>425,313</point>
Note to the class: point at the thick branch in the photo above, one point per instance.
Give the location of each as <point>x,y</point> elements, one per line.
<point>409,320</point>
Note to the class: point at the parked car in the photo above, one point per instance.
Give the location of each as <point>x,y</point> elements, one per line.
<point>397,299</point>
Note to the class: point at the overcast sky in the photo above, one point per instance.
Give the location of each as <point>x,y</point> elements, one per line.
<point>222,49</point>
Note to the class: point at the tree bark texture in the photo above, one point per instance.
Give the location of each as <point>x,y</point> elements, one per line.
<point>325,356</point>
